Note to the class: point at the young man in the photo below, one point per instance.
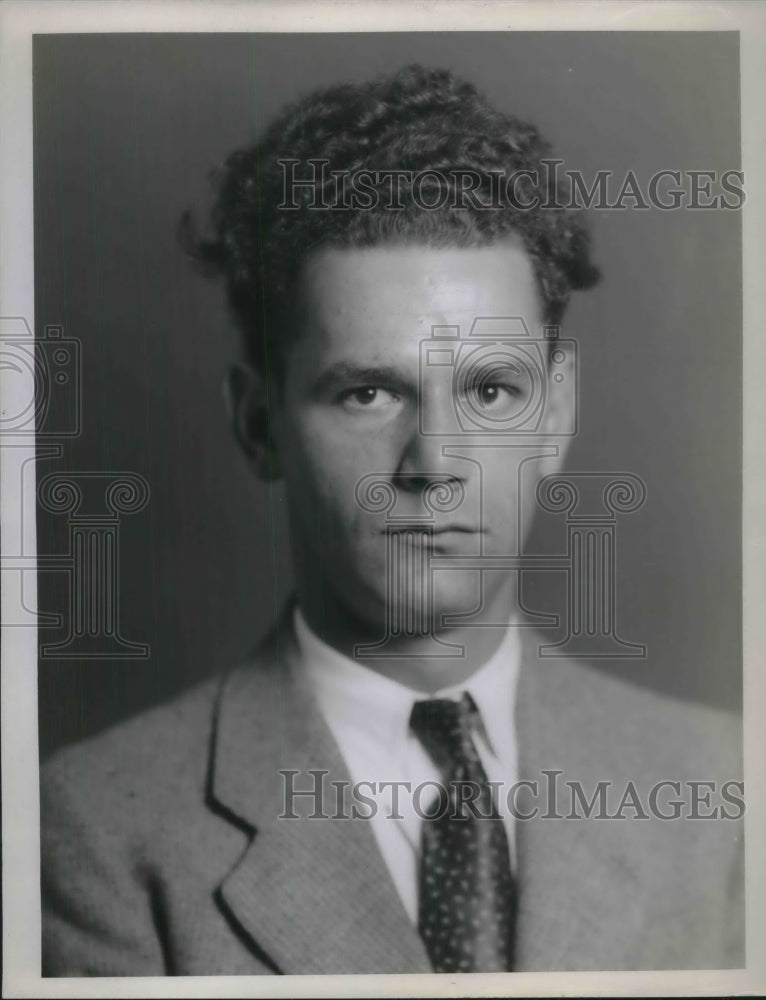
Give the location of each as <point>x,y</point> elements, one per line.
<point>373,790</point>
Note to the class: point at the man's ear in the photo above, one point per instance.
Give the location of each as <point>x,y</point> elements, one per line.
<point>246,396</point>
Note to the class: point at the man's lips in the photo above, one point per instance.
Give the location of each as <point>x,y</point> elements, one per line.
<point>429,529</point>
<point>443,539</point>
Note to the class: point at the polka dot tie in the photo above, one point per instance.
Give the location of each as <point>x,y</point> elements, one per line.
<point>466,901</point>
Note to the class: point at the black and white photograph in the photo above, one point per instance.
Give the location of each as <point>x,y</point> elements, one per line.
<point>374,474</point>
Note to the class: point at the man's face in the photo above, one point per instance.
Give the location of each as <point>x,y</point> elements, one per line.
<point>360,407</point>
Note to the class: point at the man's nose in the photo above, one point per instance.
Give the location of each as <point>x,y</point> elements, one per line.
<point>422,460</point>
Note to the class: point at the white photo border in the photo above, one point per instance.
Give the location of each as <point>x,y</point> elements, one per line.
<point>19,21</point>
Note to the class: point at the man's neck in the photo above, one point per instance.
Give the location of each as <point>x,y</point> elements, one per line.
<point>415,661</point>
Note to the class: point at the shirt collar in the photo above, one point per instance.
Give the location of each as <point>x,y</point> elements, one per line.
<point>354,697</point>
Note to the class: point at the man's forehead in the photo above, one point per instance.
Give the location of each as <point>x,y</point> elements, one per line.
<point>412,256</point>
<point>419,282</point>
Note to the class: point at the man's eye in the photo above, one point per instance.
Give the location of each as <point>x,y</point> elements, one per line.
<point>368,397</point>
<point>488,394</point>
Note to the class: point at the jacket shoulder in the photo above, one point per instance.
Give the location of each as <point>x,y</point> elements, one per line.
<point>606,715</point>
<point>167,741</point>
<point>701,739</point>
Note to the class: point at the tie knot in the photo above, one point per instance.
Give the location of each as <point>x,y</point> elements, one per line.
<point>444,728</point>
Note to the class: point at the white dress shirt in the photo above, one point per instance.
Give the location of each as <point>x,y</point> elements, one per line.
<point>369,714</point>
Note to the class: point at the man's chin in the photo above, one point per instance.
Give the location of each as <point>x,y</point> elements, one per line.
<point>435,612</point>
<point>432,607</point>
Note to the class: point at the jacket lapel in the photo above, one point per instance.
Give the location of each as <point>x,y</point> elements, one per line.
<point>313,894</point>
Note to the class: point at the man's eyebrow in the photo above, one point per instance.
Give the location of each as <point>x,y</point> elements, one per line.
<point>346,373</point>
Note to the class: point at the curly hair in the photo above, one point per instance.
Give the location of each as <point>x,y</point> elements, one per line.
<point>415,121</point>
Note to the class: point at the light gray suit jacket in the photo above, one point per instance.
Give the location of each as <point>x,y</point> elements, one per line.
<point>163,853</point>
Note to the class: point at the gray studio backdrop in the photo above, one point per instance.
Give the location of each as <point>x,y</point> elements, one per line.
<point>127,128</point>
